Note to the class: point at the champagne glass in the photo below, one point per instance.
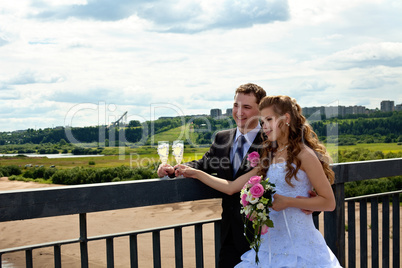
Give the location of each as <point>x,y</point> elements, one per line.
<point>163,151</point>
<point>178,150</point>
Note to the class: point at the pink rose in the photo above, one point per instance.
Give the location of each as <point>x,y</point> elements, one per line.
<point>243,200</point>
<point>254,180</point>
<point>257,190</point>
<point>254,159</point>
<point>264,229</point>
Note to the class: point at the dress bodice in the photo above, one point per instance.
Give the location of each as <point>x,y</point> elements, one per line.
<point>301,184</point>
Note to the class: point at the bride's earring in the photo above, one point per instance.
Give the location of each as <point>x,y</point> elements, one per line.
<point>288,124</point>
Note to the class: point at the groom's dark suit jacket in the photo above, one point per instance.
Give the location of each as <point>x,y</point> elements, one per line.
<point>217,162</point>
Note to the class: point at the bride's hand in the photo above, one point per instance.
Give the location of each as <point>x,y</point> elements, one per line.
<point>279,202</point>
<point>185,171</point>
<point>311,194</point>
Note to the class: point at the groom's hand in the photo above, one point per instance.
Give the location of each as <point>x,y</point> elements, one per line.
<point>164,170</point>
<point>312,194</point>
<point>185,171</point>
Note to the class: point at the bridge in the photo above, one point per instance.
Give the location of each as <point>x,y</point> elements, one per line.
<point>378,245</point>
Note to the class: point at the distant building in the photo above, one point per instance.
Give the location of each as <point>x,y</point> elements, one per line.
<point>216,113</point>
<point>309,111</point>
<point>333,111</point>
<point>229,112</point>
<point>387,106</point>
<point>355,110</point>
<point>197,115</point>
<point>306,111</point>
<point>398,107</point>
<point>166,117</point>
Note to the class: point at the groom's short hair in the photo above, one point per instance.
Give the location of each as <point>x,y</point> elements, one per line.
<point>251,88</point>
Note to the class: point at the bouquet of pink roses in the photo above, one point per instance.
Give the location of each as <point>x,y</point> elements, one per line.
<point>256,198</point>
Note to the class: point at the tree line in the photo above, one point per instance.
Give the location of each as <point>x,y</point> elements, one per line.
<point>105,135</point>
<point>361,130</point>
<point>77,175</point>
<point>385,128</point>
<point>362,126</point>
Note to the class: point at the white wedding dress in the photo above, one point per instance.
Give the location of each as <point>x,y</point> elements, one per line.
<point>293,241</point>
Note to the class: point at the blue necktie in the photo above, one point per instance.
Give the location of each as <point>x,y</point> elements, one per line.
<point>238,156</point>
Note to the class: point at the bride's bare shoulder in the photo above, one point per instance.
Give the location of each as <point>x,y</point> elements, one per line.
<point>306,154</point>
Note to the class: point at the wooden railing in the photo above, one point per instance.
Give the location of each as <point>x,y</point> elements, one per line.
<point>83,199</point>
<point>334,222</point>
<point>375,249</point>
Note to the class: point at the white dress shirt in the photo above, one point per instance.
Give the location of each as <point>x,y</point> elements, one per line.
<point>250,136</point>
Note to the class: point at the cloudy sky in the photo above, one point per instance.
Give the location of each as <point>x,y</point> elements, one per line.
<point>86,62</point>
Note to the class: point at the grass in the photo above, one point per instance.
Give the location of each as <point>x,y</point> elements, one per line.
<point>103,161</point>
<point>147,155</point>
<point>142,156</point>
<point>383,147</point>
<point>20,178</point>
<point>185,133</point>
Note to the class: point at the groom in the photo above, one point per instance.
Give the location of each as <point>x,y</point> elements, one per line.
<point>227,158</point>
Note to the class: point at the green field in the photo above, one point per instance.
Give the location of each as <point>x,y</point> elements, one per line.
<point>147,155</point>
<point>179,133</point>
<point>142,156</point>
<point>383,147</point>
<point>129,155</point>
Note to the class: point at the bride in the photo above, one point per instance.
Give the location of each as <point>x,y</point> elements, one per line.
<point>295,161</point>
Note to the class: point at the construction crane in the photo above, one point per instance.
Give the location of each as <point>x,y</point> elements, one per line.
<point>120,119</point>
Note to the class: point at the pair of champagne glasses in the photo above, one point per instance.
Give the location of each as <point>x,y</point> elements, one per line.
<point>177,151</point>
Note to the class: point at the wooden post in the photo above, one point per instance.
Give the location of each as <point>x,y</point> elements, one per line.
<point>334,225</point>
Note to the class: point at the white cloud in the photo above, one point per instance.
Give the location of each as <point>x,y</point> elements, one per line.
<point>314,86</point>
<point>31,77</point>
<point>179,16</point>
<point>3,40</point>
<point>192,54</point>
<point>365,56</point>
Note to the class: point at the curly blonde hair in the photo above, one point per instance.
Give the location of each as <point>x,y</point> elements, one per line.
<point>300,132</point>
